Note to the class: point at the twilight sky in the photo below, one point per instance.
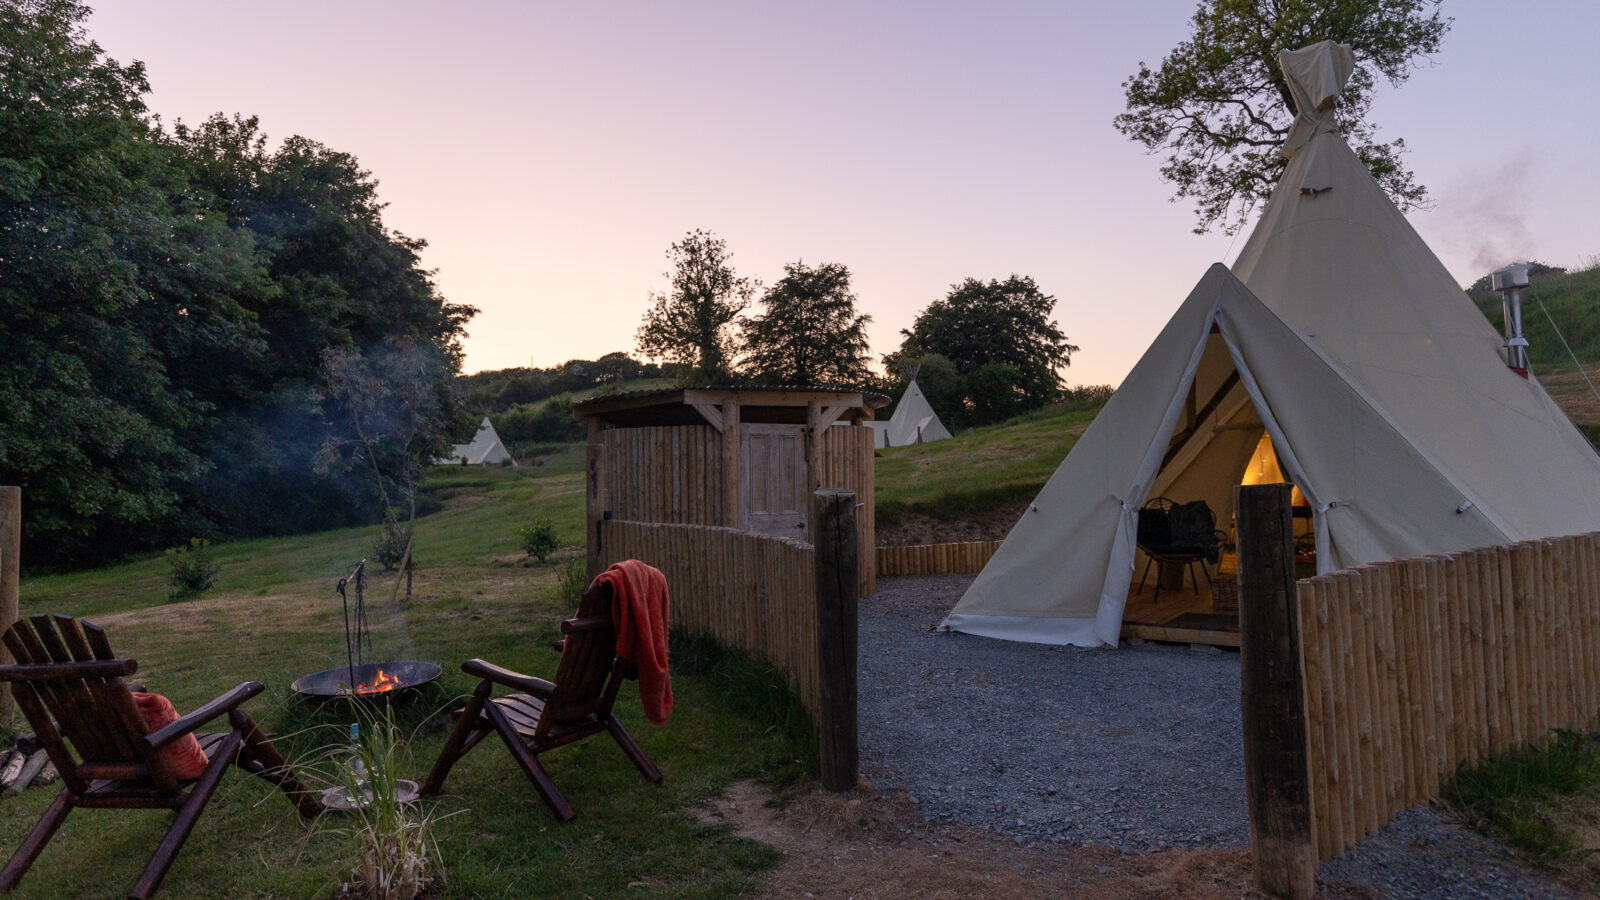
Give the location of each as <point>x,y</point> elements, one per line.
<point>550,152</point>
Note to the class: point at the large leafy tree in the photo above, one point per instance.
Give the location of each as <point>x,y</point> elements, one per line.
<point>691,325</point>
<point>1002,341</point>
<point>117,290</point>
<point>1219,108</point>
<point>809,331</point>
<point>339,280</point>
<point>166,300</point>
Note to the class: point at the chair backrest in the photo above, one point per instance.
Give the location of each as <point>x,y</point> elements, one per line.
<point>69,685</point>
<point>584,677</point>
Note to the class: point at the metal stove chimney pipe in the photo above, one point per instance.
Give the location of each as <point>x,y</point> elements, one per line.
<point>1510,281</point>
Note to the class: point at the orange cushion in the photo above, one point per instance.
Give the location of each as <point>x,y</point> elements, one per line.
<point>183,755</point>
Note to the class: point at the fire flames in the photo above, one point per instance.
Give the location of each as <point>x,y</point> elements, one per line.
<point>383,682</point>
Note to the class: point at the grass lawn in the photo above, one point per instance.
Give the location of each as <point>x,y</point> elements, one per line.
<point>275,616</point>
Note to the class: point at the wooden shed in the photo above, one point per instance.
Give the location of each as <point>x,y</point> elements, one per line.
<point>742,458</point>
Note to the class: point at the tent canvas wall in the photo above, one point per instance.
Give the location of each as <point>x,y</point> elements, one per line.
<point>1341,337</point>
<point>485,449</point>
<point>913,422</point>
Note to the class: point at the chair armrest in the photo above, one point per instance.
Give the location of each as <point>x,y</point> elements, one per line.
<point>506,678</point>
<point>185,724</point>
<point>586,623</point>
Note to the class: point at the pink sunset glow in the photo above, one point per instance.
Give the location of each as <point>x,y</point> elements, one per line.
<point>550,153</point>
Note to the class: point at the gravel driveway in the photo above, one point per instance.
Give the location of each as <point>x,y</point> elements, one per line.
<point>1137,748</point>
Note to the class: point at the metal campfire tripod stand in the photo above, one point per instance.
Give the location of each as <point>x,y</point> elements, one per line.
<point>354,639</point>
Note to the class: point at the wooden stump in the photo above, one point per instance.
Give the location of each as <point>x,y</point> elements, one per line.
<point>833,518</point>
<point>1277,777</point>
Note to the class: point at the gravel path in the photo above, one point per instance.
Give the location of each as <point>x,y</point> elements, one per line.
<point>1137,748</point>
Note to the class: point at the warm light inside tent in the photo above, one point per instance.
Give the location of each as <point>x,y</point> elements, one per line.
<point>1263,468</point>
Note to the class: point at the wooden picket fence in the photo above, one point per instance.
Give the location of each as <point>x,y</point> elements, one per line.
<point>936,559</point>
<point>1414,667</point>
<point>751,591</point>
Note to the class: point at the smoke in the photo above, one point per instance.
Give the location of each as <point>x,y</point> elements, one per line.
<point>1483,214</point>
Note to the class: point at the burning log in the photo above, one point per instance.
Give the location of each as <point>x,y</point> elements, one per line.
<point>30,770</point>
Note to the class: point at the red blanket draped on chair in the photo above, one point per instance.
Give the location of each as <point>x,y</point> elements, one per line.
<point>639,612</point>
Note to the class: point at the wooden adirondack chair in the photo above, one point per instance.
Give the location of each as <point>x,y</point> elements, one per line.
<point>545,715</point>
<point>69,686</point>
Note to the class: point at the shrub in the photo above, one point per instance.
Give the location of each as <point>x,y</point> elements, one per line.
<point>193,570</point>
<point>390,548</point>
<point>540,539</point>
<point>571,580</point>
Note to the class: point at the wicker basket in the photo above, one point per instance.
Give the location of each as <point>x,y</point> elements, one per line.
<point>1225,596</point>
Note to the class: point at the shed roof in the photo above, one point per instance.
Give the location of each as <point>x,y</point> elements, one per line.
<point>687,406</point>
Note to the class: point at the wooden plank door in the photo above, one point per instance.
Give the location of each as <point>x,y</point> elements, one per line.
<point>772,480</point>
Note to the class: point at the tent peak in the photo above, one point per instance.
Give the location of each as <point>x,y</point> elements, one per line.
<point>1316,75</point>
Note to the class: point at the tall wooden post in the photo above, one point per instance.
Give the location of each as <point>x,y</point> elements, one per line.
<point>1272,685</point>
<point>813,445</point>
<point>595,499</point>
<point>10,578</point>
<point>833,519</point>
<point>732,503</point>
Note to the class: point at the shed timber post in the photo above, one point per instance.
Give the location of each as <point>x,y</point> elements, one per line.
<point>1272,688</point>
<point>10,578</point>
<point>595,499</point>
<point>731,505</point>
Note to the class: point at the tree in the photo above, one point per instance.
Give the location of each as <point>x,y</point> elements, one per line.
<point>993,331</point>
<point>691,324</point>
<point>810,332</point>
<point>1219,106</point>
<point>114,285</point>
<point>391,408</point>
<point>168,298</point>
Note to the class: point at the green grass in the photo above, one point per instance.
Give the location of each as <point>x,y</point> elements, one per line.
<point>275,616</point>
<point>977,470</point>
<point>1530,797</point>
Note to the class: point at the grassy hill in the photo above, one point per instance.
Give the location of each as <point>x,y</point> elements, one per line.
<point>973,486</point>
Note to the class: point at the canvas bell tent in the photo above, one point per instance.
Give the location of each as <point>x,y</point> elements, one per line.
<point>913,422</point>
<point>1339,354</point>
<point>485,449</point>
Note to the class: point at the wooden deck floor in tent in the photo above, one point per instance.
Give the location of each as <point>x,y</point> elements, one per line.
<point>1179,615</point>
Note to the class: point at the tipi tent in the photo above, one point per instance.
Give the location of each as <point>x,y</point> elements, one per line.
<point>1380,388</point>
<point>913,422</point>
<point>485,449</point>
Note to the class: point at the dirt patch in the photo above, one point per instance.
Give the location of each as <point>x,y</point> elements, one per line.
<point>919,528</point>
<point>865,845</point>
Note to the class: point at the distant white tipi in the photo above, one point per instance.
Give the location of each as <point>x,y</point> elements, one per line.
<point>485,449</point>
<point>913,422</point>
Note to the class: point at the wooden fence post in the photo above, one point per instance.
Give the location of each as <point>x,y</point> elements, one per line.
<point>833,520</point>
<point>10,576</point>
<point>1272,687</point>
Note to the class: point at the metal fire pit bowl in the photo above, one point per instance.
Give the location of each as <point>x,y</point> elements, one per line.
<point>337,682</point>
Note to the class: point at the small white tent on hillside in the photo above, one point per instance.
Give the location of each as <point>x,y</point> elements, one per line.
<point>1380,390</point>
<point>913,422</point>
<point>485,449</point>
